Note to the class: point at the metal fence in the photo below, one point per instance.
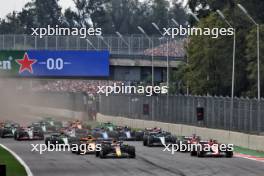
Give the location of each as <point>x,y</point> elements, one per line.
<point>247,115</point>
<point>127,45</point>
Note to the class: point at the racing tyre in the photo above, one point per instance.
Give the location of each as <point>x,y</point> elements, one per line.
<point>97,153</point>
<point>149,141</point>
<point>17,136</point>
<point>193,153</point>
<point>145,142</point>
<point>200,154</point>
<point>2,134</point>
<point>229,154</point>
<point>102,154</point>
<point>132,152</point>
<point>47,141</point>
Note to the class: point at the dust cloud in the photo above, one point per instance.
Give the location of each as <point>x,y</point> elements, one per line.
<point>17,95</point>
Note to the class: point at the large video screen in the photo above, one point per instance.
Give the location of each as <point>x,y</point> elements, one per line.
<point>40,63</point>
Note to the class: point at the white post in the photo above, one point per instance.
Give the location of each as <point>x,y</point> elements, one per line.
<point>258,62</point>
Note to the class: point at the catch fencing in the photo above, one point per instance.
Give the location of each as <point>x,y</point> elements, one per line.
<point>247,114</point>
<point>126,45</point>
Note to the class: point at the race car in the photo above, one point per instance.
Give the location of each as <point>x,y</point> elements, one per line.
<point>8,129</point>
<point>107,126</point>
<point>48,125</point>
<point>102,133</point>
<point>76,124</point>
<point>116,149</point>
<point>128,134</point>
<point>57,138</point>
<point>212,148</point>
<point>29,133</point>
<point>159,138</point>
<point>188,142</point>
<point>76,132</point>
<point>85,145</point>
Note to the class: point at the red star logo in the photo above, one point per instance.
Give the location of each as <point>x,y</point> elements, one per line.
<point>26,63</point>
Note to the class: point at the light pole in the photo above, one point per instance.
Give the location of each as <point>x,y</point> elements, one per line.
<point>152,68</point>
<point>195,17</point>
<point>168,65</point>
<point>122,38</point>
<point>175,22</point>
<point>108,46</point>
<point>90,43</point>
<point>152,53</point>
<point>255,23</point>
<point>233,68</point>
<point>187,60</point>
<point>234,52</point>
<point>167,47</point>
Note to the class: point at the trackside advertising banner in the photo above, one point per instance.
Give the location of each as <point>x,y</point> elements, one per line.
<point>36,63</point>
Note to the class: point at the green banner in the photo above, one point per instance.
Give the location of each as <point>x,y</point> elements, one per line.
<point>8,64</point>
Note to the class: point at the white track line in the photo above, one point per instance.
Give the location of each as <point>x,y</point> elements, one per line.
<point>247,157</point>
<point>29,173</point>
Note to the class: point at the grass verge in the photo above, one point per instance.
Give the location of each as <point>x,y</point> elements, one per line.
<point>13,167</point>
<point>249,152</point>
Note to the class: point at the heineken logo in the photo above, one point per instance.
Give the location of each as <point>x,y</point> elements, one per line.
<point>25,63</point>
<point>6,64</point>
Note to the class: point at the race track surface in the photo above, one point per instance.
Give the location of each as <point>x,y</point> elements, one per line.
<point>149,162</point>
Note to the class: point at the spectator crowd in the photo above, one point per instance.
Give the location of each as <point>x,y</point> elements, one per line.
<point>175,49</point>
<point>87,86</point>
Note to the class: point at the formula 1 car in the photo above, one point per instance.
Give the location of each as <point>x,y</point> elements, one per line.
<point>8,129</point>
<point>128,134</point>
<point>107,126</point>
<point>48,125</point>
<point>159,138</point>
<point>187,143</point>
<point>76,124</point>
<point>57,138</point>
<point>101,133</point>
<point>212,148</point>
<point>116,149</point>
<point>85,145</point>
<point>29,133</point>
<point>76,132</point>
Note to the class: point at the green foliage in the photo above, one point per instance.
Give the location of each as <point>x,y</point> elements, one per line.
<point>14,168</point>
<point>251,55</point>
<point>110,15</point>
<point>210,60</point>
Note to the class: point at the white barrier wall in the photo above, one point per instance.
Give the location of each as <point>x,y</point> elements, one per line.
<point>239,139</point>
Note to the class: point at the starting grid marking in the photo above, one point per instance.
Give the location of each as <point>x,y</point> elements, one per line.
<point>255,158</point>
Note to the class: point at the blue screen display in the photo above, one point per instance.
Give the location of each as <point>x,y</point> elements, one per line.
<point>65,63</point>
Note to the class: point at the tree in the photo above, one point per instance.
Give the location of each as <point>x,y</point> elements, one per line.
<point>37,13</point>
<point>210,62</point>
<point>89,13</point>
<point>178,12</point>
<point>161,12</point>
<point>11,25</point>
<point>251,55</point>
<point>47,12</point>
